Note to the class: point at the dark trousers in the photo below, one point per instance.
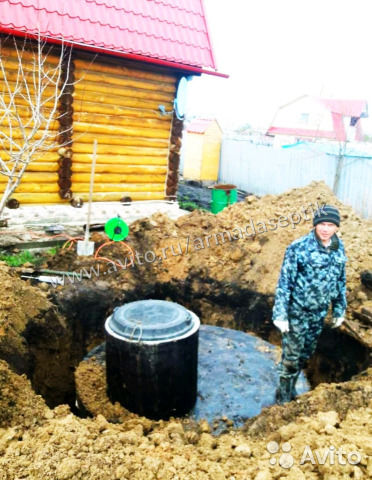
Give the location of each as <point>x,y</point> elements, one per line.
<point>299,344</point>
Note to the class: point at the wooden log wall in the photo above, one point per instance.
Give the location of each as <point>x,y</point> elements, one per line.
<point>40,182</point>
<point>118,105</point>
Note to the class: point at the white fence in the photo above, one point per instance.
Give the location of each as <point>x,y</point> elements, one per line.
<point>266,170</point>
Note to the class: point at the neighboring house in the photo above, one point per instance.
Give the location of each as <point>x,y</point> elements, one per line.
<point>128,59</point>
<point>202,150</point>
<point>314,118</point>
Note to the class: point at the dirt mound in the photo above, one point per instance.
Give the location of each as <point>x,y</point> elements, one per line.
<point>90,380</point>
<point>58,445</point>
<point>268,225</point>
<point>340,397</point>
<point>244,243</point>
<point>19,405</point>
<point>19,303</point>
<point>240,249</point>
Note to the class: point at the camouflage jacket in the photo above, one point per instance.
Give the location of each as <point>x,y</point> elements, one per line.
<point>312,276</point>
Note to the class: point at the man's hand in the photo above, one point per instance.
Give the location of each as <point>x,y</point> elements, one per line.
<point>283,325</point>
<point>337,321</point>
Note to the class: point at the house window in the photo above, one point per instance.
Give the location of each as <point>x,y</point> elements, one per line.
<point>353,121</point>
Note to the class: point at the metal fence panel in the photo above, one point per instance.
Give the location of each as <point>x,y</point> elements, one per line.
<point>356,185</point>
<point>265,170</point>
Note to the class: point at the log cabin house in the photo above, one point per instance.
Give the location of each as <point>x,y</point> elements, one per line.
<point>128,58</point>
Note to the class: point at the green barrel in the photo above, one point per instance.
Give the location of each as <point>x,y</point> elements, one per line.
<point>223,195</point>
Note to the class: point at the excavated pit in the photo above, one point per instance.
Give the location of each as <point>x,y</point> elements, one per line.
<point>46,332</point>
<point>56,348</point>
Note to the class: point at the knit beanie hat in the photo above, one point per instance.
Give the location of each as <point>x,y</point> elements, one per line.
<point>327,213</point>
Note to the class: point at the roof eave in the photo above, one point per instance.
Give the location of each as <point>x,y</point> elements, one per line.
<point>194,70</point>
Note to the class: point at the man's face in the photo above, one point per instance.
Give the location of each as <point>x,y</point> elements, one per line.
<point>325,230</point>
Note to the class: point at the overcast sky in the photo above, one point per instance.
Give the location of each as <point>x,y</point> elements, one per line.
<point>277,50</point>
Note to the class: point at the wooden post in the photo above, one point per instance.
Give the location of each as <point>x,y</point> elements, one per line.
<point>174,158</point>
<point>91,190</point>
<point>339,167</point>
<point>65,128</point>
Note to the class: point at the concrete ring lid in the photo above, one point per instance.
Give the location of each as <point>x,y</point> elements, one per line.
<point>150,321</point>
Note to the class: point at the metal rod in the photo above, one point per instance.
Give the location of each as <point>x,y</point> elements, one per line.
<point>86,239</point>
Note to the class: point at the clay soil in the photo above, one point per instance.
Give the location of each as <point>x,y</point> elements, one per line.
<point>44,334</point>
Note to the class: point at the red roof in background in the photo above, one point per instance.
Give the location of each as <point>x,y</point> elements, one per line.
<point>338,109</point>
<point>303,132</point>
<point>167,30</point>
<point>200,125</point>
<point>348,108</point>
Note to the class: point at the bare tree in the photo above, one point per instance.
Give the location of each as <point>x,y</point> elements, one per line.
<point>32,82</point>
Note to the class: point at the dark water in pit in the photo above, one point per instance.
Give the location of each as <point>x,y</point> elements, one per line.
<point>237,375</point>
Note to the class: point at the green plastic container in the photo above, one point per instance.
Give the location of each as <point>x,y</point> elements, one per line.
<point>222,196</point>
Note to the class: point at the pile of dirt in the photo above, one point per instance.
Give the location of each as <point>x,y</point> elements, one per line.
<point>58,445</point>
<point>272,222</point>
<point>224,258</point>
<point>19,304</point>
<point>90,378</point>
<point>19,405</point>
<point>216,249</point>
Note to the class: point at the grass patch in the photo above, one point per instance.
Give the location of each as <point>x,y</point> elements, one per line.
<point>19,259</point>
<point>53,250</point>
<point>25,256</point>
<point>190,205</point>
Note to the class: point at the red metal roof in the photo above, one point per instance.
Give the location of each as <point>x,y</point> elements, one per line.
<point>199,125</point>
<point>303,132</point>
<point>169,30</point>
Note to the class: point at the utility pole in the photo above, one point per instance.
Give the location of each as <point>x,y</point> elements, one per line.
<point>339,166</point>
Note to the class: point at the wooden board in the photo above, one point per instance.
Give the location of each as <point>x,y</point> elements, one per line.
<point>118,178</point>
<point>120,150</point>
<point>118,187</point>
<point>110,169</point>
<point>104,119</point>
<point>118,160</point>
<point>95,65</point>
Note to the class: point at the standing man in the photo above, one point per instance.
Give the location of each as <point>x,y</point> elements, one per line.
<point>312,276</point>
